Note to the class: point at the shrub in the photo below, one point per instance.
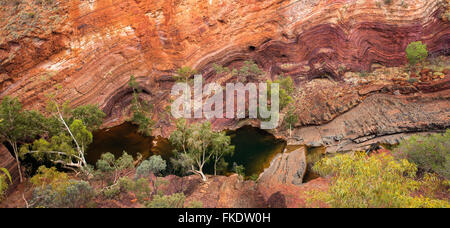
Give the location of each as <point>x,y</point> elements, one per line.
<point>109,166</point>
<point>239,169</point>
<point>290,119</point>
<point>3,186</point>
<point>91,116</point>
<point>50,177</point>
<point>250,68</point>
<point>430,153</point>
<point>54,189</point>
<point>4,177</point>
<point>173,201</point>
<point>142,110</point>
<point>155,164</point>
<point>142,189</point>
<point>416,52</point>
<point>111,192</point>
<point>76,194</point>
<point>195,204</point>
<point>139,187</point>
<point>220,69</point>
<point>286,90</point>
<point>254,177</point>
<point>361,181</point>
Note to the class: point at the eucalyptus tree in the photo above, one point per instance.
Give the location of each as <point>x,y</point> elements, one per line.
<point>111,166</point>
<point>18,125</point>
<point>68,136</point>
<point>291,119</point>
<point>195,145</point>
<point>141,111</point>
<point>221,147</point>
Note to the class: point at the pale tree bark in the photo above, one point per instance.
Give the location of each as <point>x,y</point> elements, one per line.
<point>16,154</point>
<point>80,151</point>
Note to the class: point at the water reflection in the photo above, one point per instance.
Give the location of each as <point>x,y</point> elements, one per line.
<point>126,138</point>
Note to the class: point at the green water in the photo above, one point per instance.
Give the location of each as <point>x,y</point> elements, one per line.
<point>254,148</point>
<point>126,138</point>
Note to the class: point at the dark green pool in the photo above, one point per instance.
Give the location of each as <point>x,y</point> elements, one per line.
<point>126,138</point>
<point>254,148</point>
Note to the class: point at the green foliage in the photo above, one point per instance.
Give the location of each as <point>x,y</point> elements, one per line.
<point>155,164</point>
<point>286,83</point>
<point>132,83</point>
<point>254,177</point>
<point>109,167</point>
<point>90,115</point>
<point>3,187</point>
<point>61,148</point>
<point>291,118</point>
<point>195,204</point>
<point>18,125</point>
<point>221,69</point>
<point>430,153</point>
<point>67,131</point>
<point>143,121</point>
<point>4,175</point>
<point>285,92</point>
<point>221,167</point>
<point>221,147</point>
<point>141,110</point>
<point>140,187</point>
<point>363,74</point>
<point>75,194</point>
<point>416,52</point>
<point>49,177</point>
<point>361,181</point>
<point>108,163</point>
<point>239,169</point>
<point>111,192</point>
<point>61,143</point>
<point>173,201</point>
<point>81,133</point>
<point>195,145</point>
<point>185,73</point>
<point>250,68</point>
<point>53,189</point>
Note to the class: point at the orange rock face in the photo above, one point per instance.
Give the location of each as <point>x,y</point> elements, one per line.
<point>91,48</point>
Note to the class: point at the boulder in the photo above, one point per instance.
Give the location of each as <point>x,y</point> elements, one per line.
<point>286,168</point>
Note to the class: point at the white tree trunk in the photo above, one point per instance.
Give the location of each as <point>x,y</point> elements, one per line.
<point>16,153</point>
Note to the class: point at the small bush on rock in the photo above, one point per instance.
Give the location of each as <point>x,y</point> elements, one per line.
<point>76,194</point>
<point>173,201</point>
<point>416,52</point>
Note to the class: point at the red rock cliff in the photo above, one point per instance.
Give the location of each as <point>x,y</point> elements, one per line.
<point>91,47</point>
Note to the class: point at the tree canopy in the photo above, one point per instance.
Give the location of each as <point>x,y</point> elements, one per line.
<point>195,145</point>
<point>416,52</point>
